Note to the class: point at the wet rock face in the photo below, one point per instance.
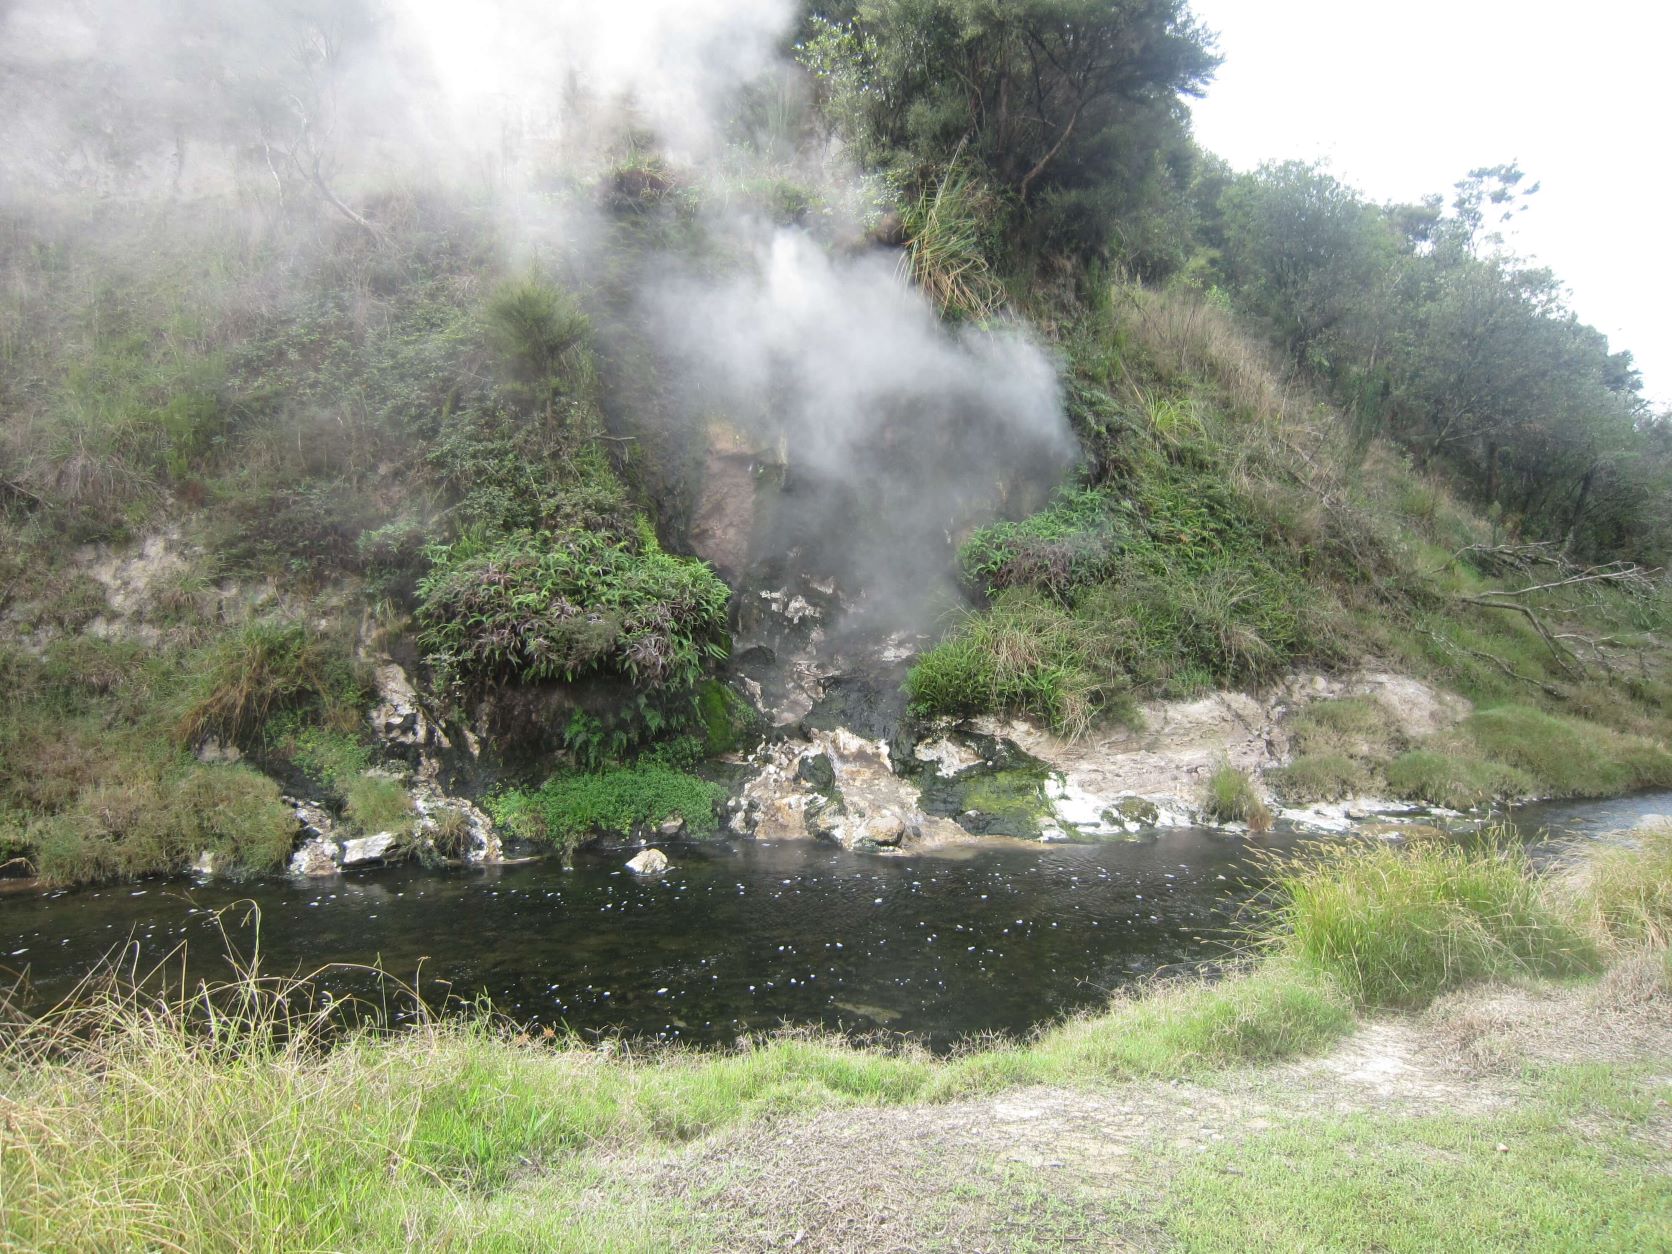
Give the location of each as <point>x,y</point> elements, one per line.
<point>736,469</point>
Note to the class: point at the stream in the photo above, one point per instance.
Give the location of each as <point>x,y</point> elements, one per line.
<point>738,936</point>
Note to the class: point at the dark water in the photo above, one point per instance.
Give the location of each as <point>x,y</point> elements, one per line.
<point>734,938</point>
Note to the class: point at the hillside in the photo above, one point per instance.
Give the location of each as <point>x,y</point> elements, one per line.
<point>432,507</point>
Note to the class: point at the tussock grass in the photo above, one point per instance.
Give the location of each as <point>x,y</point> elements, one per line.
<point>262,669</point>
<point>1621,895</point>
<point>1450,776</point>
<point>1321,777</point>
<point>1187,338</point>
<point>1567,757</point>
<point>1031,655</point>
<point>379,803</point>
<point>946,236</point>
<point>1354,726</point>
<point>1397,926</point>
<point>1230,796</point>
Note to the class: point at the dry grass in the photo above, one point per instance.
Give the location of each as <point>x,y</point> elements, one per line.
<point>1186,337</point>
<point>945,252</point>
<point>1621,895</point>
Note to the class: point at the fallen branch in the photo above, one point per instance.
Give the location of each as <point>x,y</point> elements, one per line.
<point>1566,658</point>
<point>1549,690</point>
<point>336,202</point>
<point>1614,572</point>
<point>1506,556</point>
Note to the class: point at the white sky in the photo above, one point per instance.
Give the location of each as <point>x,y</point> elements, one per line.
<point>1404,99</point>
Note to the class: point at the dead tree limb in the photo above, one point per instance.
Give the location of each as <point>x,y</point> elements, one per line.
<point>1565,657</point>
<point>1549,690</point>
<point>337,203</point>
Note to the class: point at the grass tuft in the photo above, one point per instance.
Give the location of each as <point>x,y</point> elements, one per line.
<point>1318,777</point>
<point>1454,779</point>
<point>1621,895</point>
<point>1396,926</point>
<point>1232,797</point>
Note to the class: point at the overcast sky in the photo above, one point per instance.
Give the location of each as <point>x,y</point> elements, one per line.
<point>1405,99</point>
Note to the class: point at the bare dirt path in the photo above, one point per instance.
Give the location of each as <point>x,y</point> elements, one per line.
<point>1082,1168</point>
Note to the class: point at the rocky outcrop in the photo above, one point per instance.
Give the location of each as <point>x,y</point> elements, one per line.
<point>1096,781</point>
<point>363,849</point>
<point>835,786</point>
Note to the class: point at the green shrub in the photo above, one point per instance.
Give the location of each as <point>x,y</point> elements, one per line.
<point>532,608</point>
<point>1396,926</point>
<point>569,810</point>
<point>1230,796</point>
<point>1068,546</point>
<point>1317,777</point>
<point>332,758</point>
<point>1454,779</point>
<point>532,325</point>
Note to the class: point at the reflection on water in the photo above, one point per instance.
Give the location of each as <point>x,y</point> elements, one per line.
<point>734,938</point>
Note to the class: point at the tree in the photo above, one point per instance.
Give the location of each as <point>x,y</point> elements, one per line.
<point>1040,97</point>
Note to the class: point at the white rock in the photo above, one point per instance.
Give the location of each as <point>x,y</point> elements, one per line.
<point>214,752</point>
<point>315,860</point>
<point>367,848</point>
<point>950,756</point>
<point>648,862</point>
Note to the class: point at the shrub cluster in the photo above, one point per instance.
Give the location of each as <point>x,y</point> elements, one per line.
<point>532,608</point>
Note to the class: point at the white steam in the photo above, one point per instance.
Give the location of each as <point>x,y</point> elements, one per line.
<point>898,434</point>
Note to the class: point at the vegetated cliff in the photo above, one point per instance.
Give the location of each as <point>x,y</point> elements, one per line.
<point>735,488</point>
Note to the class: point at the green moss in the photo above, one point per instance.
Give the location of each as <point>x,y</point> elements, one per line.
<point>332,759</point>
<point>726,719</point>
<point>1002,801</point>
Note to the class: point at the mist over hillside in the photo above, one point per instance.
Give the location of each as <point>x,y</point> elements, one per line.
<point>625,391</point>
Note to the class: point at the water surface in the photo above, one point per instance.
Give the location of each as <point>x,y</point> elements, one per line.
<point>736,937</point>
